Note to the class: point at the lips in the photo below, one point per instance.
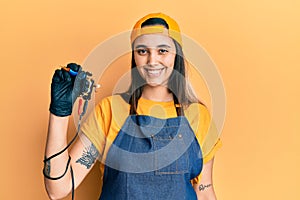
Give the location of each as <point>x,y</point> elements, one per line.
<point>154,72</point>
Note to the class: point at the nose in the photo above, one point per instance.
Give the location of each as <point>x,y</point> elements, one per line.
<point>153,58</point>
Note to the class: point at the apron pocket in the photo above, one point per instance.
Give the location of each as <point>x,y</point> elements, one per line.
<point>171,155</point>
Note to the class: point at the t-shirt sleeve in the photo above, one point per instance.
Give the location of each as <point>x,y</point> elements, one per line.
<point>207,135</point>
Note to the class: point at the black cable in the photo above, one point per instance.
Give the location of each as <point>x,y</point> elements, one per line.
<point>59,177</point>
<point>64,149</point>
<point>73,182</point>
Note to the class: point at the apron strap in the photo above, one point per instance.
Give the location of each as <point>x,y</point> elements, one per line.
<point>178,106</point>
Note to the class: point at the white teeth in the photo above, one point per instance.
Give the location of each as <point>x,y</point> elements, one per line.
<point>154,71</point>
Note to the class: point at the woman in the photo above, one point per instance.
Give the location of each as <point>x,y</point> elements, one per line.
<point>154,141</point>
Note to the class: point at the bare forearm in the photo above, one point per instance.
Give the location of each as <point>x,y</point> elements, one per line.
<point>204,189</point>
<point>205,192</point>
<point>56,141</point>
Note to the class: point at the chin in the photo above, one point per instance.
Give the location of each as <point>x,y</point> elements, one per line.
<point>156,84</point>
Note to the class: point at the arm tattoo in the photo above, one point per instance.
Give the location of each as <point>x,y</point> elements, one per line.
<point>89,156</point>
<point>47,168</point>
<point>202,187</point>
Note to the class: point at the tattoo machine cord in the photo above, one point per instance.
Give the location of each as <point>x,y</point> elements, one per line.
<point>86,87</point>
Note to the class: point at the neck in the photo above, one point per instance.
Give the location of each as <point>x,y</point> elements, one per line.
<point>157,93</point>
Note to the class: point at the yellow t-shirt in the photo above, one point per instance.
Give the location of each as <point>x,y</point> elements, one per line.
<point>105,122</point>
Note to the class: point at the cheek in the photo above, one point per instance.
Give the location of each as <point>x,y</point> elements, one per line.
<point>139,69</point>
<point>169,61</point>
<point>139,60</point>
<point>141,72</point>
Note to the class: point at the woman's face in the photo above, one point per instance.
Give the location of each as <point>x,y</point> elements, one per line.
<point>154,55</point>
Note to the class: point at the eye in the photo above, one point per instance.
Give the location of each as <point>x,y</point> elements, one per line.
<point>163,51</point>
<point>141,51</point>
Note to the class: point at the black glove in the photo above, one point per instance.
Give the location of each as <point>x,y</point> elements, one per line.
<point>62,94</point>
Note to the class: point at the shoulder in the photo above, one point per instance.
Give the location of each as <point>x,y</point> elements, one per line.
<point>197,111</point>
<point>199,118</point>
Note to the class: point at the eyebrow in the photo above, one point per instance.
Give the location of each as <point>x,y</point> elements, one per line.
<point>158,46</point>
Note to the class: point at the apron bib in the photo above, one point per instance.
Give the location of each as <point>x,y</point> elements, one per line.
<point>153,159</point>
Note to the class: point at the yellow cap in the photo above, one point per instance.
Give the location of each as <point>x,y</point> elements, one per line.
<point>173,31</point>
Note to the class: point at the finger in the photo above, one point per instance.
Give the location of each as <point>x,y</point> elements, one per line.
<point>66,75</point>
<point>74,67</point>
<point>58,76</point>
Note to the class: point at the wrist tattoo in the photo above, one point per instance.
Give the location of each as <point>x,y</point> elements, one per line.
<point>203,187</point>
<point>89,155</point>
<point>47,168</point>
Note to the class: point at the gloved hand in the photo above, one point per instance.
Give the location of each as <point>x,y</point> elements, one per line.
<point>62,93</point>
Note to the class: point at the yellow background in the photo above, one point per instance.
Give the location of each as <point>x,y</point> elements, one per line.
<point>255,45</point>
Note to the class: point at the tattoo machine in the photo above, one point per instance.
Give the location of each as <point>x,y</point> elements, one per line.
<point>83,87</point>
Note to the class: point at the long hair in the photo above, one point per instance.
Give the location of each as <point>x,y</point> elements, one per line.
<point>178,85</point>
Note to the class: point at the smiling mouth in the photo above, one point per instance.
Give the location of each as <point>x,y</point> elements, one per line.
<point>154,72</point>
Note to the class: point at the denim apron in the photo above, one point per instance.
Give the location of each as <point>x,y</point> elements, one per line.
<point>152,158</point>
